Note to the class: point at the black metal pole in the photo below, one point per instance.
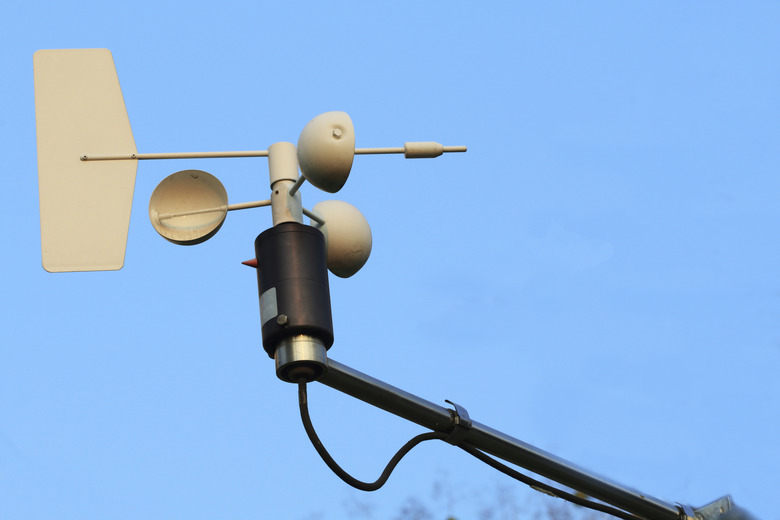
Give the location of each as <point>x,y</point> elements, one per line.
<point>481,437</point>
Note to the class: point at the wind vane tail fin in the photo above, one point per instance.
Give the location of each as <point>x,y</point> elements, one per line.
<point>84,206</point>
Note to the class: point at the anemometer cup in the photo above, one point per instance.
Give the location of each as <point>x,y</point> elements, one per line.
<point>188,207</point>
<point>292,279</point>
<point>347,236</point>
<point>326,148</point>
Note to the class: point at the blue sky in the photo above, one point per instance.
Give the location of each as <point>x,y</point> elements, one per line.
<point>598,276</point>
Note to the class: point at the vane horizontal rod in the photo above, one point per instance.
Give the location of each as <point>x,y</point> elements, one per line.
<point>184,155</point>
<point>249,153</point>
<point>403,149</point>
<point>376,151</point>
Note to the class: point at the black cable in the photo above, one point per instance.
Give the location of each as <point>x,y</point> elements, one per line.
<point>343,475</point>
<point>546,488</point>
<point>406,448</point>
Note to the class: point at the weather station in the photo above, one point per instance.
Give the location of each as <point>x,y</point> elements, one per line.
<point>87,163</point>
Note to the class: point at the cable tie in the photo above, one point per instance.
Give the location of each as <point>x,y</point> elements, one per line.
<point>461,424</point>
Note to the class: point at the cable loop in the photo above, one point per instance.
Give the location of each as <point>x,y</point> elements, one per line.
<point>462,423</point>
<point>343,475</point>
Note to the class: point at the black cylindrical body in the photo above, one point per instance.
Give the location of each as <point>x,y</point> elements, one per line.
<point>292,278</point>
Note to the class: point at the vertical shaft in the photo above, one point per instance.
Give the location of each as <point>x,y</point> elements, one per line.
<point>283,172</point>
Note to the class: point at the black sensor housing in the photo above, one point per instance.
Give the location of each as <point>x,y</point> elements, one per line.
<point>292,279</point>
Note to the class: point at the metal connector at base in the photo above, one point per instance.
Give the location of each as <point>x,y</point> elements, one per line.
<point>299,358</point>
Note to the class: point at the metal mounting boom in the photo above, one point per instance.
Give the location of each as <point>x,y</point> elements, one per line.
<point>484,438</point>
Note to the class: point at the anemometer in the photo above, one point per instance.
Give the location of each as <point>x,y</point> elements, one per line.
<point>87,168</point>
<point>87,162</point>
